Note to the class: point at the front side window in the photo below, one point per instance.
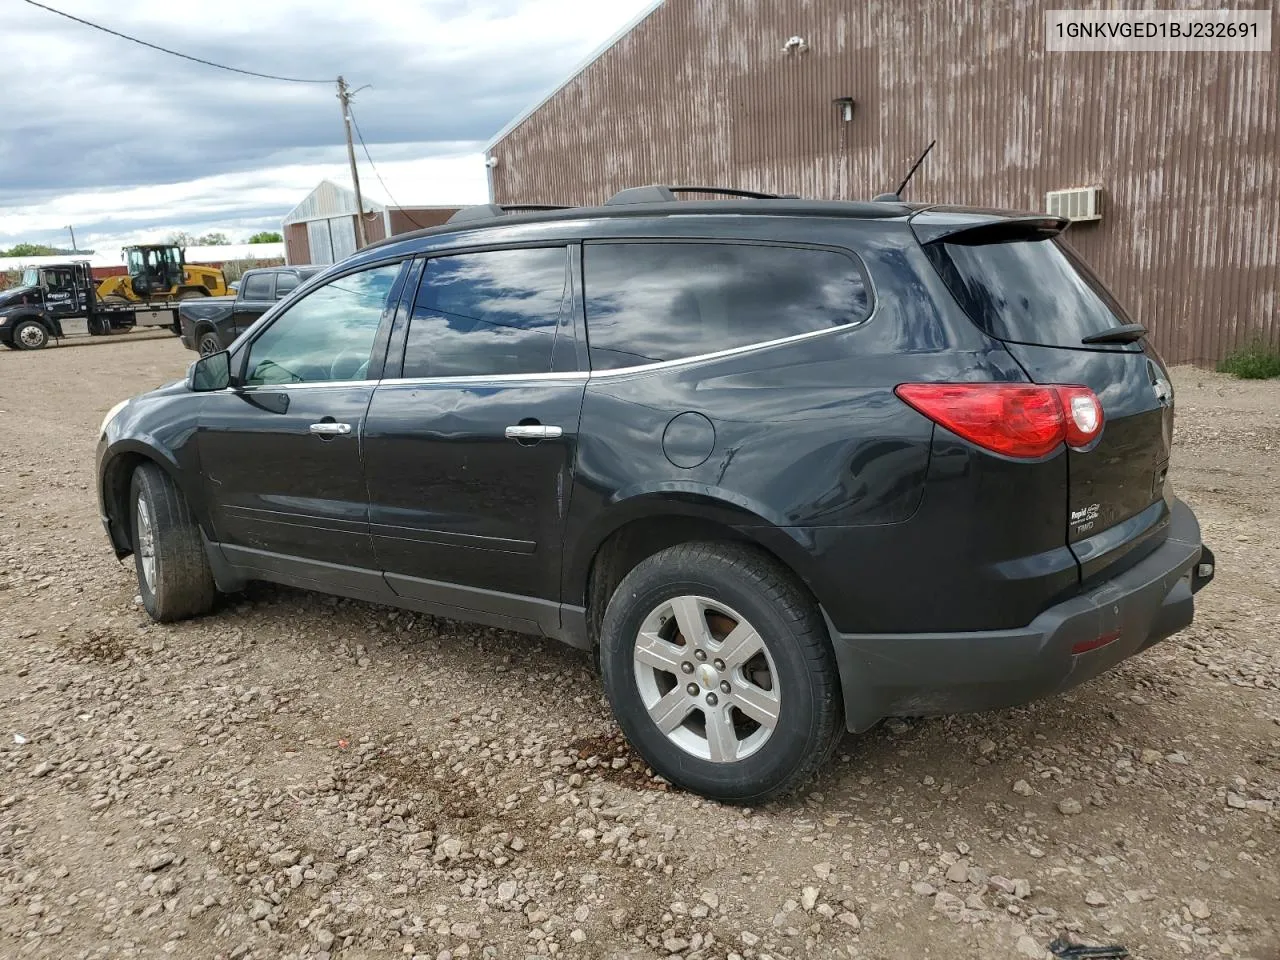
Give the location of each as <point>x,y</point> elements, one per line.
<point>487,314</point>
<point>58,280</point>
<point>257,286</point>
<point>31,277</point>
<point>653,301</point>
<point>327,335</point>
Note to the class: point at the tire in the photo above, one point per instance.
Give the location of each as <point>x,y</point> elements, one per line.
<point>190,295</point>
<point>115,300</point>
<point>30,335</point>
<point>208,339</point>
<point>793,675</point>
<point>180,583</point>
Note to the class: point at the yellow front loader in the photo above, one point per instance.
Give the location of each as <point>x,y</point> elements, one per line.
<point>160,272</point>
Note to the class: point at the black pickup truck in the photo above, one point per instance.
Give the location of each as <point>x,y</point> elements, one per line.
<point>210,324</point>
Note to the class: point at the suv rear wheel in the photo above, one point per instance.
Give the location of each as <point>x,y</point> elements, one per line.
<point>173,571</point>
<point>720,672</point>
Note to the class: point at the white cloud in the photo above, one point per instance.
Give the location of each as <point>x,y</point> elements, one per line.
<point>128,145</point>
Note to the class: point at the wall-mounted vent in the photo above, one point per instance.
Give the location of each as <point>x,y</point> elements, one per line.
<point>1079,203</point>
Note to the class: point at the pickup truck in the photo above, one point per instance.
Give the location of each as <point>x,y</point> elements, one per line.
<point>210,324</point>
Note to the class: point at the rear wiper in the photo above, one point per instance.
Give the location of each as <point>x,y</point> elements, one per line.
<point>1125,333</point>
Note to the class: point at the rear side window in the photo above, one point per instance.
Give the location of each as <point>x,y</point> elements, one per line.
<point>654,301</point>
<point>1027,291</point>
<point>257,286</point>
<point>487,314</point>
<point>284,283</point>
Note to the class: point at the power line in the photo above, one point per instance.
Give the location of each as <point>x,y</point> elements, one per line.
<point>174,53</point>
<point>390,196</point>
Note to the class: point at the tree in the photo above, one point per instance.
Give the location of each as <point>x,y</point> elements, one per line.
<point>267,236</point>
<point>184,239</point>
<point>29,250</point>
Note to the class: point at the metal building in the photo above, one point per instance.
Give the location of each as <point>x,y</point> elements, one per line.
<point>322,228</point>
<point>830,99</point>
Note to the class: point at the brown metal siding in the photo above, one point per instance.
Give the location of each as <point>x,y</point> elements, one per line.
<point>406,219</point>
<point>1185,146</point>
<point>297,248</point>
<point>375,227</point>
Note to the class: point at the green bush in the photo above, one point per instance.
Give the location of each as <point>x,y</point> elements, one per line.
<point>1255,362</point>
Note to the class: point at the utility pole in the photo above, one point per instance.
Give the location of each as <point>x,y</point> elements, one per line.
<point>344,97</point>
<point>73,238</point>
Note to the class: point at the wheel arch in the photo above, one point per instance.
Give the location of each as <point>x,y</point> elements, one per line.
<point>199,328</point>
<point>52,327</point>
<point>114,481</point>
<point>639,526</point>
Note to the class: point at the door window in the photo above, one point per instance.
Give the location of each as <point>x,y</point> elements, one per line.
<point>285,282</point>
<point>59,280</point>
<point>652,301</point>
<point>328,335</point>
<point>487,314</point>
<point>257,286</point>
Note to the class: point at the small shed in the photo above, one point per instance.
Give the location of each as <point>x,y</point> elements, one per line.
<point>322,228</point>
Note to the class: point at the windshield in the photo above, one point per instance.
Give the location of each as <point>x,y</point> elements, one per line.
<point>31,277</point>
<point>1027,291</point>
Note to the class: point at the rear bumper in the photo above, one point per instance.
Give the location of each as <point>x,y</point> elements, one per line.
<point>924,674</point>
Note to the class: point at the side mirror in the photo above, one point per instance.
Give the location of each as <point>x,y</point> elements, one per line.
<point>210,373</point>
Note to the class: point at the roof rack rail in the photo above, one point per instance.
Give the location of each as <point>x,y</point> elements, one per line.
<point>487,211</point>
<point>658,193</point>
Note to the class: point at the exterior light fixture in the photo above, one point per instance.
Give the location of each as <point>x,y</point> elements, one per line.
<point>846,108</point>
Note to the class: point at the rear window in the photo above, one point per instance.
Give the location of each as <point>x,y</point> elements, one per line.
<point>256,286</point>
<point>1027,291</point>
<point>654,301</point>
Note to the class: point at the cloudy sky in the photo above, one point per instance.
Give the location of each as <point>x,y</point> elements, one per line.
<point>130,145</point>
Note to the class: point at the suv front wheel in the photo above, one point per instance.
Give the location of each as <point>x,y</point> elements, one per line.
<point>720,672</point>
<point>174,578</point>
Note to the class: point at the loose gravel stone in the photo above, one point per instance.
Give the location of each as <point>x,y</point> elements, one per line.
<point>320,778</point>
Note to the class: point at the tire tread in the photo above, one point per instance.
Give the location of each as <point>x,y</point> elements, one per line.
<point>774,584</point>
<point>184,580</point>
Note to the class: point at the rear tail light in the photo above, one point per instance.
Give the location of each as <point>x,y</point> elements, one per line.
<point>1014,419</point>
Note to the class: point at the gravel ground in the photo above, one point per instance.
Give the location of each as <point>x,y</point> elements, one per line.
<point>302,776</point>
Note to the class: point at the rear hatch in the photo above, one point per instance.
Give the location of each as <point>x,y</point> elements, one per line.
<point>1020,283</point>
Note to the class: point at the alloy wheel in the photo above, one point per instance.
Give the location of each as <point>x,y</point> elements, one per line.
<point>707,679</point>
<point>147,544</point>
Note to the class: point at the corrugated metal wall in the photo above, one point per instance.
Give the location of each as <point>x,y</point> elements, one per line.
<point>1186,146</point>
<point>406,219</point>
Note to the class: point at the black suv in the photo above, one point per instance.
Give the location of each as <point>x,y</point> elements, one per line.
<point>788,466</point>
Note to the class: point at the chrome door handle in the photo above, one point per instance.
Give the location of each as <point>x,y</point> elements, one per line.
<point>533,431</point>
<point>331,429</point>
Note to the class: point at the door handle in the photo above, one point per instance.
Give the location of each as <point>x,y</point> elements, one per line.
<point>533,431</point>
<point>331,429</point>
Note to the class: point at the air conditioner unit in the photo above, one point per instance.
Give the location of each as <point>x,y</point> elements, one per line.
<point>1078,203</point>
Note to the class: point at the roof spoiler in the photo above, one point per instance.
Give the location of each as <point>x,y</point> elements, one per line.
<point>995,230</point>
